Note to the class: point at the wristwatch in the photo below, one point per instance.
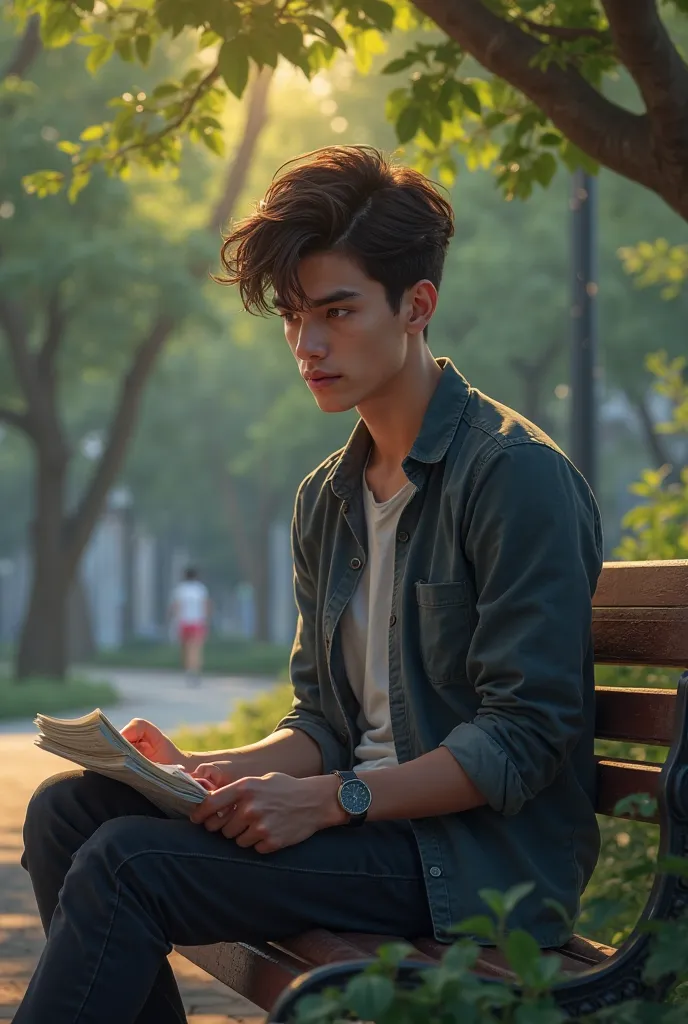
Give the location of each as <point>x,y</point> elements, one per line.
<point>354,797</point>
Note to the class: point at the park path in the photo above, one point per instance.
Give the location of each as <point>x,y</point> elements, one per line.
<point>163,698</point>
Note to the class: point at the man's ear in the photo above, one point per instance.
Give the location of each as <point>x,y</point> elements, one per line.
<point>421,303</point>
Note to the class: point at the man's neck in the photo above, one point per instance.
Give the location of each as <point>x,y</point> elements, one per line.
<point>394,418</point>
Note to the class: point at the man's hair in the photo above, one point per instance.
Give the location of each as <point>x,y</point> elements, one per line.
<point>191,573</point>
<point>390,220</point>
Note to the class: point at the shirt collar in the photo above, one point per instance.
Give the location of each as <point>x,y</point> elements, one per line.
<point>440,423</point>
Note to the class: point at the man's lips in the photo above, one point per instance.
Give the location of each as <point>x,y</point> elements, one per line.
<point>317,381</point>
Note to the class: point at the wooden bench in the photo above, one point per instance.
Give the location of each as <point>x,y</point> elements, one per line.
<point>640,617</point>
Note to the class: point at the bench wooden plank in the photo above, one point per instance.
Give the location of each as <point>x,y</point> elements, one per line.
<point>641,636</point>
<point>658,584</point>
<point>619,778</point>
<point>258,972</point>
<point>635,714</point>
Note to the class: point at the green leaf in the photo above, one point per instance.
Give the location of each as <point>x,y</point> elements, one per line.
<point>400,64</point>
<point>101,52</point>
<point>544,168</point>
<point>43,183</point>
<point>550,139</point>
<point>124,48</point>
<point>469,97</point>
<point>69,147</point>
<point>166,89</point>
<point>379,12</point>
<point>369,996</point>
<point>539,1013</point>
<point>290,41</point>
<point>94,131</point>
<point>214,141</point>
<point>262,47</point>
<point>431,124</point>
<point>59,25</point>
<point>444,99</point>
<point>77,185</point>
<point>495,901</point>
<point>517,893</point>
<point>233,65</point>
<point>408,122</point>
<point>522,952</point>
<point>482,926</point>
<point>323,28</point>
<point>143,45</point>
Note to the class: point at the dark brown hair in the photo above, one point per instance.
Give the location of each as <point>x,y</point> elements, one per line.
<point>391,220</point>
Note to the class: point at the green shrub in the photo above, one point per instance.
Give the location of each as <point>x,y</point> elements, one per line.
<point>52,697</point>
<point>225,657</point>
<point>251,720</point>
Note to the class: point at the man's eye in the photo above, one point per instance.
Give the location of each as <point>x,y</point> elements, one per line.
<point>287,317</point>
<point>337,314</point>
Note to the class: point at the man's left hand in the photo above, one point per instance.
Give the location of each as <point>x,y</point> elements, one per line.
<point>273,811</point>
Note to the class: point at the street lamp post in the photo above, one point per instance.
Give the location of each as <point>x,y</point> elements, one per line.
<point>584,327</point>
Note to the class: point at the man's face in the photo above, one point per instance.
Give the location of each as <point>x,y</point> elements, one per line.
<point>349,345</point>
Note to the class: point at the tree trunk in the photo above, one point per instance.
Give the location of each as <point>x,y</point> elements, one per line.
<point>43,643</point>
<point>261,580</point>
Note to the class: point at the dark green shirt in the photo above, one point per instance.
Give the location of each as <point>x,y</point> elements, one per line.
<point>490,654</point>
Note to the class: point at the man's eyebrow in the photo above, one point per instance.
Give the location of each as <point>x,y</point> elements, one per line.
<point>340,295</point>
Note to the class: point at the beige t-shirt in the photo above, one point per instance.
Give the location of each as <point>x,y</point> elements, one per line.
<point>365,630</point>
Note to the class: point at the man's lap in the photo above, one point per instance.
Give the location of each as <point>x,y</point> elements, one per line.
<point>205,888</point>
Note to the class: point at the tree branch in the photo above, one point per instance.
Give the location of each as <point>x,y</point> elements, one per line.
<point>18,420</point>
<point>82,521</point>
<point>565,32</point>
<point>655,443</point>
<point>28,48</point>
<point>609,134</point>
<point>54,332</point>
<point>235,179</point>
<point>13,323</point>
<point>644,46</point>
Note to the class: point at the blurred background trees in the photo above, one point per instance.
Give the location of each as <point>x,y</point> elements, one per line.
<point>226,431</point>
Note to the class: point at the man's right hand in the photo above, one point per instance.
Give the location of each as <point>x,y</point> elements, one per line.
<point>152,742</point>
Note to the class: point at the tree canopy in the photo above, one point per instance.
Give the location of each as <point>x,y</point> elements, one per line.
<point>518,86</point>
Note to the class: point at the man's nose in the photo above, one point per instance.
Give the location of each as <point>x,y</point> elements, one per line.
<point>311,342</point>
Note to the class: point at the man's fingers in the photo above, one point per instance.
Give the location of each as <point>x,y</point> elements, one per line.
<point>222,798</point>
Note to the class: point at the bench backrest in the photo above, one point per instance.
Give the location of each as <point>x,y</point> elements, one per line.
<point>640,617</point>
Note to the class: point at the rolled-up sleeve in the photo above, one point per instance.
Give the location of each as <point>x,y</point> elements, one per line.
<point>533,537</point>
<point>307,713</point>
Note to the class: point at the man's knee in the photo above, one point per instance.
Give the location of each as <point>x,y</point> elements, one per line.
<point>116,845</point>
<point>51,800</point>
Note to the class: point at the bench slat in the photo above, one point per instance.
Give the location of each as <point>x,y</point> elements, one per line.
<point>635,714</point>
<point>662,584</point>
<point>641,636</point>
<point>258,972</point>
<point>619,778</point>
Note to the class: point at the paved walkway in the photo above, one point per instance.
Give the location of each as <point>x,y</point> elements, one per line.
<point>163,698</point>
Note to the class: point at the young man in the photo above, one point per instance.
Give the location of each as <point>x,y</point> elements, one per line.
<point>190,612</point>
<point>444,566</point>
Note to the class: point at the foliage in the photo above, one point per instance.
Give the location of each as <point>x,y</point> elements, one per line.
<point>226,657</point>
<point>658,528</point>
<point>251,721</point>
<point>45,695</point>
<point>448,105</point>
<point>451,992</point>
<point>657,263</point>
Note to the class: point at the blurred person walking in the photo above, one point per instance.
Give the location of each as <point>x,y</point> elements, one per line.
<point>190,613</point>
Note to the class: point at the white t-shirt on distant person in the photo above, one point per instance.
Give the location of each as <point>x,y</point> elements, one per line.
<point>190,597</point>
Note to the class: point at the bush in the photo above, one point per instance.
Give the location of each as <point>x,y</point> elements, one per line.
<point>225,657</point>
<point>51,697</point>
<point>251,720</point>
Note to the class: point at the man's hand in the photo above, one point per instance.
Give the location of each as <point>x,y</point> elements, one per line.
<point>216,774</point>
<point>152,742</point>
<point>273,811</point>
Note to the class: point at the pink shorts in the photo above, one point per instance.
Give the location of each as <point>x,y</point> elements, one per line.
<point>191,631</point>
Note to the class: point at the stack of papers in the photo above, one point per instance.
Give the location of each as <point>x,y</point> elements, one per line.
<point>94,743</point>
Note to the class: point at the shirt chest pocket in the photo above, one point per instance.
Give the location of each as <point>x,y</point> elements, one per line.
<point>445,630</point>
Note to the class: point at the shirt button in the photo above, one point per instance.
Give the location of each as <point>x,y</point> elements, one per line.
<point>355,563</point>
<point>435,871</point>
<point>403,536</point>
<point>392,620</point>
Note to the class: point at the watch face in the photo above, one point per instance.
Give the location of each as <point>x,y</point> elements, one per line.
<point>354,797</point>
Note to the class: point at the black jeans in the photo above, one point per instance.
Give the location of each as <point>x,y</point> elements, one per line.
<point>117,884</point>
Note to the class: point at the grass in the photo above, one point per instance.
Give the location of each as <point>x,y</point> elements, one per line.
<point>226,657</point>
<point>251,720</point>
<point>50,696</point>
